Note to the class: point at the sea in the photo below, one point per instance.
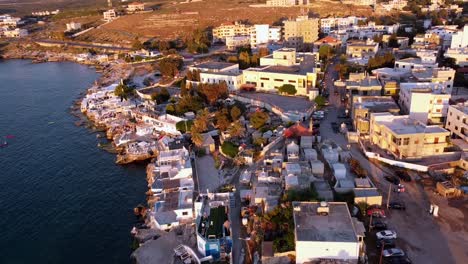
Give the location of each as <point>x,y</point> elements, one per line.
<point>62,198</point>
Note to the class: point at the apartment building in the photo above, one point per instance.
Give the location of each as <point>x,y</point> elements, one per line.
<point>363,106</point>
<point>301,33</point>
<point>229,30</point>
<point>460,38</point>
<point>408,64</point>
<point>443,76</point>
<point>285,66</point>
<point>135,7</point>
<point>405,137</point>
<point>217,72</point>
<point>445,33</point>
<point>263,34</point>
<point>235,42</point>
<point>257,34</point>
<point>16,33</point>
<point>362,84</point>
<point>460,55</point>
<point>362,49</point>
<point>425,102</point>
<point>110,15</point>
<point>339,23</point>
<point>457,121</point>
<point>359,2</point>
<point>282,2</point>
<point>326,231</point>
<point>7,20</point>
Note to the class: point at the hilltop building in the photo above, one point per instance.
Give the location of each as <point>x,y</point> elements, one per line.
<point>460,55</point>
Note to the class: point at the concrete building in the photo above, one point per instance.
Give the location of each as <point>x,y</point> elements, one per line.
<point>409,64</point>
<point>442,76</point>
<point>286,2</point>
<point>258,35</point>
<point>73,26</point>
<point>217,72</point>
<point>263,34</point>
<point>301,33</point>
<point>362,84</point>
<point>326,231</point>
<point>457,121</point>
<point>16,33</point>
<point>229,30</point>
<point>362,49</point>
<point>363,106</point>
<point>460,55</point>
<point>110,15</point>
<point>235,42</point>
<point>327,41</point>
<point>445,33</point>
<point>172,208</point>
<point>425,102</point>
<point>135,7</point>
<point>407,138</point>
<point>9,21</point>
<point>339,23</point>
<point>460,39</point>
<point>285,66</point>
<point>359,2</point>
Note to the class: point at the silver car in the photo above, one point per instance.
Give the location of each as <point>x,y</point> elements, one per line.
<point>386,234</point>
<point>393,252</point>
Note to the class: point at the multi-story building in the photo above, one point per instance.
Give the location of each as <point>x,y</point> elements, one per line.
<point>460,39</point>
<point>234,42</point>
<point>428,40</point>
<point>457,119</point>
<point>339,23</point>
<point>364,106</point>
<point>73,26</point>
<point>110,15</point>
<point>262,34</point>
<point>359,2</point>
<point>285,66</point>
<point>16,33</point>
<point>327,41</point>
<point>442,76</point>
<point>301,33</point>
<point>405,137</point>
<point>257,34</point>
<point>425,102</point>
<point>217,72</point>
<point>7,20</point>
<point>445,33</point>
<point>361,84</point>
<point>460,55</point>
<point>408,64</point>
<point>326,231</point>
<point>362,49</point>
<point>230,30</point>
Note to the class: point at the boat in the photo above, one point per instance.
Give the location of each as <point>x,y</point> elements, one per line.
<point>4,144</point>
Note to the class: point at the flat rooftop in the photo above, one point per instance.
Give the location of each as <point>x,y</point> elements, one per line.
<point>337,226</point>
<point>405,125</point>
<point>461,107</point>
<point>214,65</point>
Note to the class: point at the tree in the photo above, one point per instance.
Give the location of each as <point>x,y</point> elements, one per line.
<point>197,137</point>
<point>236,129</point>
<point>183,88</point>
<point>320,100</point>
<point>201,121</point>
<point>325,52</point>
<point>211,92</point>
<point>162,96</point>
<point>184,126</point>
<point>170,66</point>
<point>232,59</point>
<point>123,91</point>
<point>235,113</point>
<point>137,45</point>
<point>393,41</point>
<point>244,59</point>
<point>262,52</point>
<point>288,89</point>
<point>258,119</point>
<point>229,149</point>
<point>222,120</point>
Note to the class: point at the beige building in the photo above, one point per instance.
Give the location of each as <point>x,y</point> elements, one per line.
<point>361,84</point>
<point>285,66</point>
<point>362,49</point>
<point>217,72</point>
<point>229,30</point>
<point>301,33</point>
<point>457,121</point>
<point>405,138</point>
<point>110,15</point>
<point>364,106</point>
<point>136,6</point>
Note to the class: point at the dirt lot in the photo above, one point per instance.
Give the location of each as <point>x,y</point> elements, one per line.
<point>424,238</point>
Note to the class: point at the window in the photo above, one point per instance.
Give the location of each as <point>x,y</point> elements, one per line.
<point>406,141</point>
<point>458,117</point>
<point>456,127</point>
<point>292,81</point>
<point>416,141</point>
<point>436,140</point>
<point>439,101</point>
<point>278,80</point>
<point>264,78</point>
<point>437,150</point>
<point>184,213</point>
<point>448,123</point>
<point>438,110</point>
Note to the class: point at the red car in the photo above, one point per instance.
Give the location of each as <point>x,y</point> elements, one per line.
<point>376,212</point>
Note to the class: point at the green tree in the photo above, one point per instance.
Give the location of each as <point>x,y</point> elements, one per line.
<point>123,91</point>
<point>325,52</point>
<point>320,100</point>
<point>170,66</point>
<point>230,149</point>
<point>235,113</point>
<point>393,41</point>
<point>288,89</point>
<point>183,88</point>
<point>162,96</point>
<point>184,126</point>
<point>244,60</point>
<point>258,119</point>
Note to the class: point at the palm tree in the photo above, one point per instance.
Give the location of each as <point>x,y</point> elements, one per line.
<point>236,129</point>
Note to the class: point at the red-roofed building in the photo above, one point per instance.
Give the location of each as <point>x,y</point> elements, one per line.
<point>297,130</point>
<point>328,40</point>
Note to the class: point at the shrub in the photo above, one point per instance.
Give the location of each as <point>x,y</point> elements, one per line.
<point>229,149</point>
<point>288,89</point>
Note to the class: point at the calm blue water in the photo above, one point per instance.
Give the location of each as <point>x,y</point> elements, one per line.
<point>62,199</point>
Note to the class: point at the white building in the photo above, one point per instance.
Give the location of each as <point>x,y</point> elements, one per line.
<point>460,55</point>
<point>7,20</point>
<point>15,33</point>
<point>73,26</point>
<point>339,23</point>
<point>234,42</point>
<point>425,102</point>
<point>110,15</point>
<point>457,121</point>
<point>326,231</point>
<point>234,35</point>
<point>460,39</point>
<point>217,72</point>
<point>445,33</point>
<point>172,208</point>
<point>408,64</point>
<point>136,6</point>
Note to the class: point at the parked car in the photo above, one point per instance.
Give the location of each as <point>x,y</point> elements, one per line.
<point>403,175</point>
<point>397,260</point>
<point>378,224</point>
<point>392,179</point>
<point>376,212</point>
<point>399,189</point>
<point>386,234</point>
<point>393,252</point>
<point>386,243</point>
<point>397,205</point>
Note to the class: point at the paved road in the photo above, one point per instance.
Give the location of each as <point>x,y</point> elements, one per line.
<point>79,44</point>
